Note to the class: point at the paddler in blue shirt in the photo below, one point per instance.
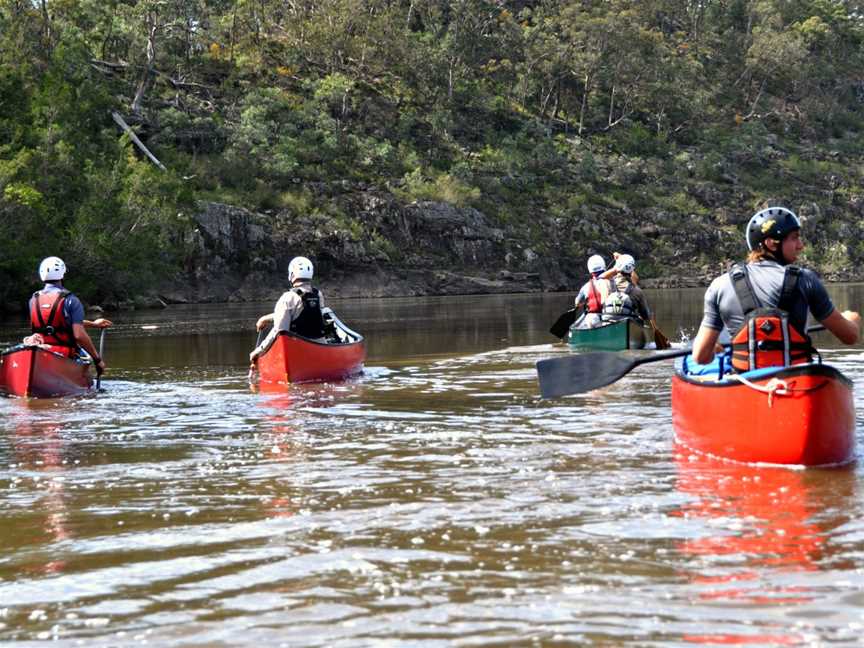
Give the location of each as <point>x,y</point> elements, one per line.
<point>774,240</point>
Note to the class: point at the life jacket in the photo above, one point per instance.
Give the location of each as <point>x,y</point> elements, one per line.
<point>595,299</point>
<point>309,323</point>
<point>619,302</point>
<point>767,338</point>
<point>47,319</point>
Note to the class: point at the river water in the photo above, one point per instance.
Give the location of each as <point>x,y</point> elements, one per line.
<point>434,501</point>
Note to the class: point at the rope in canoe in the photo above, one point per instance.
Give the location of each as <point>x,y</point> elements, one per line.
<point>774,386</point>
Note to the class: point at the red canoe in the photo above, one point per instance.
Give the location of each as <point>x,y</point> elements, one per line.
<point>801,415</point>
<point>27,370</point>
<point>292,358</point>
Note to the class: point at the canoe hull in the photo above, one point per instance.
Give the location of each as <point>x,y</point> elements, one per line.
<point>613,336</point>
<point>292,358</point>
<point>813,424</point>
<point>30,371</point>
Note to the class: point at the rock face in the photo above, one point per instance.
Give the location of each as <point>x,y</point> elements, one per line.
<point>367,243</point>
<point>385,249</point>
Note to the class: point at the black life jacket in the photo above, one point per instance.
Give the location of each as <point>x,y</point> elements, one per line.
<point>619,302</point>
<point>309,323</point>
<point>767,338</point>
<point>47,318</point>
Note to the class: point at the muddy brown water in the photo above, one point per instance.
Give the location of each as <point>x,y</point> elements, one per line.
<point>434,501</point>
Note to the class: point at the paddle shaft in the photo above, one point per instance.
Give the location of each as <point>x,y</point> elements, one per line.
<point>253,366</point>
<point>98,370</point>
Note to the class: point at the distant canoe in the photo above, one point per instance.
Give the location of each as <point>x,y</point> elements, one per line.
<point>293,358</point>
<point>619,335</point>
<point>31,371</point>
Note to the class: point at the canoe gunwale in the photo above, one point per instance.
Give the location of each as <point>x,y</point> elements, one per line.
<point>781,373</point>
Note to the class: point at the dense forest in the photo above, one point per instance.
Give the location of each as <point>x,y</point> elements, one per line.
<point>571,125</point>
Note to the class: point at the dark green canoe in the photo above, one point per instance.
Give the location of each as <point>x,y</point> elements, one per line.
<point>611,336</point>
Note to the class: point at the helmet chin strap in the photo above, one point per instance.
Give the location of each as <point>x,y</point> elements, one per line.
<point>778,255</point>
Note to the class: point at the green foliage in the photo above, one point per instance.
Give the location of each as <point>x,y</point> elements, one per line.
<point>516,108</point>
<point>443,188</point>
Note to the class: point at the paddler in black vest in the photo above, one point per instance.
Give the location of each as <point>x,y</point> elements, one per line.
<point>298,310</point>
<point>57,316</point>
<point>761,291</point>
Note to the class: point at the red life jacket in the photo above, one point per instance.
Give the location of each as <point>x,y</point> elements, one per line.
<point>767,338</point>
<point>595,299</point>
<point>47,319</point>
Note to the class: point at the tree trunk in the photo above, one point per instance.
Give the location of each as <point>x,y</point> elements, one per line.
<point>584,106</point>
<point>147,74</point>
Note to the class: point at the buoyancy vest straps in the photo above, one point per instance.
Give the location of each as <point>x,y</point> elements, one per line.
<point>790,288</point>
<point>770,336</point>
<point>744,289</point>
<point>56,330</point>
<point>595,299</point>
<point>309,322</point>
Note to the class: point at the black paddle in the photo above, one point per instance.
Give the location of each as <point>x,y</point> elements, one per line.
<point>563,323</point>
<point>576,374</point>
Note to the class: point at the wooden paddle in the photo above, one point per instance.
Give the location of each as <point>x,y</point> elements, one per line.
<point>576,374</point>
<point>661,342</point>
<point>562,325</point>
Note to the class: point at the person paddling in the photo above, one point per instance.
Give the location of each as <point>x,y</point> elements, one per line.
<point>625,298</point>
<point>612,271</point>
<point>57,316</point>
<point>298,310</point>
<point>593,294</point>
<point>764,303</point>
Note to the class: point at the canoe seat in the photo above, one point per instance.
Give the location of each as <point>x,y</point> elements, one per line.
<point>711,370</point>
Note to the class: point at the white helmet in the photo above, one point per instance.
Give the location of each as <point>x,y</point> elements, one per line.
<point>299,268</point>
<point>596,264</point>
<point>625,264</point>
<point>52,269</point>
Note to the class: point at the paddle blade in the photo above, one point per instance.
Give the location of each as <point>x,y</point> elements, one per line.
<point>576,374</point>
<point>562,324</point>
<point>661,342</point>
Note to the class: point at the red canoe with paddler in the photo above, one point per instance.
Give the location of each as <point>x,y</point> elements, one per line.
<point>29,370</point>
<point>293,358</point>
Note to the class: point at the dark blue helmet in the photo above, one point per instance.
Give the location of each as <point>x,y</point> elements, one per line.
<point>772,223</point>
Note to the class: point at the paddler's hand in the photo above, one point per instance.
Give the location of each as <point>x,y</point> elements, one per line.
<point>100,323</point>
<point>852,316</point>
<point>100,365</point>
<point>262,322</point>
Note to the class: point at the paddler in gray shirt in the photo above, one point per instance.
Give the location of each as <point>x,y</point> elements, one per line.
<point>298,310</point>
<point>774,240</point>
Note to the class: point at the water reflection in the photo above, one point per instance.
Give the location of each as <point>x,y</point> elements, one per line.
<point>39,450</point>
<point>760,524</point>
